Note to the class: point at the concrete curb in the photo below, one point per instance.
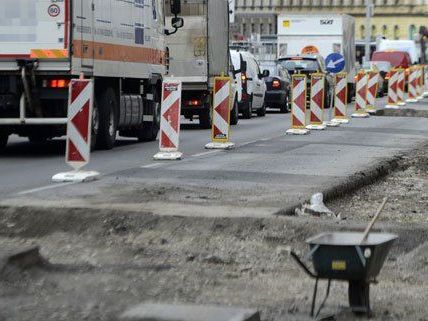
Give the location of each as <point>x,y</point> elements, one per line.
<point>356,181</point>
<point>402,112</point>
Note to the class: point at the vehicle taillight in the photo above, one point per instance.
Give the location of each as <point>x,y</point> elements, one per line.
<point>56,83</point>
<point>276,84</point>
<point>194,102</point>
<point>244,78</point>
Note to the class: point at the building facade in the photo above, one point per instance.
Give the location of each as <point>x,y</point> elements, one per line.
<point>394,19</point>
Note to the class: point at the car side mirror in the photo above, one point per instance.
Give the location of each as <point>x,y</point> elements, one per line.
<point>175,7</point>
<point>177,22</point>
<point>265,73</point>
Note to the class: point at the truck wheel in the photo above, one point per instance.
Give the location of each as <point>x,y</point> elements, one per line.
<point>359,297</point>
<point>247,113</point>
<point>107,124</point>
<point>3,140</point>
<point>261,112</point>
<point>284,108</point>
<point>205,119</point>
<point>234,114</point>
<point>150,131</point>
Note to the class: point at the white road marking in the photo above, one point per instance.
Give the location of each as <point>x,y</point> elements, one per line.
<point>152,165</point>
<point>44,188</point>
<point>206,153</point>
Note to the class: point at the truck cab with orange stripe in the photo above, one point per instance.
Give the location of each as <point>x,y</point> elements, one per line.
<point>119,44</point>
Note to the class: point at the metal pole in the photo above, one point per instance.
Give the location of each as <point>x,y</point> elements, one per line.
<point>369,13</point>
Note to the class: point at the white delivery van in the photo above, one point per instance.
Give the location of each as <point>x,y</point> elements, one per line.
<point>319,34</point>
<point>408,46</point>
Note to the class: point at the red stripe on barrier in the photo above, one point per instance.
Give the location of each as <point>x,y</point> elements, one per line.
<point>73,153</point>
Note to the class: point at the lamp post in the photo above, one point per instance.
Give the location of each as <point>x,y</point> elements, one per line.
<point>369,15</point>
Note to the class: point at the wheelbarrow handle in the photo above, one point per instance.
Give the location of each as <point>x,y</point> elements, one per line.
<point>302,265</point>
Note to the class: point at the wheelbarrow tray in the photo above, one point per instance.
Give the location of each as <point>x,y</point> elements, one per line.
<point>342,256</point>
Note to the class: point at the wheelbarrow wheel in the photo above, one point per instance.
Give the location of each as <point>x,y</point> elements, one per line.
<point>359,297</point>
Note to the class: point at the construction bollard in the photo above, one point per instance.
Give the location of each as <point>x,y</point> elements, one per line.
<point>420,88</point>
<point>411,89</point>
<point>316,119</point>
<point>361,96</point>
<point>392,90</point>
<point>340,114</point>
<point>169,136</point>
<point>79,128</point>
<point>401,86</point>
<point>372,88</point>
<point>220,132</point>
<point>298,105</point>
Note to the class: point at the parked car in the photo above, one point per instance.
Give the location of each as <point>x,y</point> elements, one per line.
<point>371,66</point>
<point>253,85</point>
<point>309,64</point>
<point>384,68</point>
<point>278,89</point>
<point>397,59</point>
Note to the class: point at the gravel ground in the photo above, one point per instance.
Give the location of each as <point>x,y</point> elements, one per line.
<point>102,262</point>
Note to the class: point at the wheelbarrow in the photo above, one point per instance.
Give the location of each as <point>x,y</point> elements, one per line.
<point>342,256</point>
<point>348,256</point>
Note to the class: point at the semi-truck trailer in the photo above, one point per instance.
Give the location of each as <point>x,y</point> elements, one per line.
<point>199,53</point>
<point>118,44</point>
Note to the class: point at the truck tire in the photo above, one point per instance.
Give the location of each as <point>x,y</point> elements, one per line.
<point>261,112</point>
<point>205,118</point>
<point>107,115</point>
<point>4,137</point>
<point>247,113</point>
<point>150,132</point>
<point>234,114</point>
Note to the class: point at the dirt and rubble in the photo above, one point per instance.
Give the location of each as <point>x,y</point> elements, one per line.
<point>100,262</point>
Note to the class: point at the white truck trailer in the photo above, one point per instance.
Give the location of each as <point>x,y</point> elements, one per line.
<point>198,53</point>
<point>119,44</point>
<point>326,33</point>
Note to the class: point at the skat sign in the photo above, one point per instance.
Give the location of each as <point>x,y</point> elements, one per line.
<point>326,22</point>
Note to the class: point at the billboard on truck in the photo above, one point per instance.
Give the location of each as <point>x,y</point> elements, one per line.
<point>34,28</point>
<point>327,33</point>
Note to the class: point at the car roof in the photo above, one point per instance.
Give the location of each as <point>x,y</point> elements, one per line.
<point>306,56</point>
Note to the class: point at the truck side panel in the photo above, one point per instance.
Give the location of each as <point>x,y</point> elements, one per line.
<point>118,46</point>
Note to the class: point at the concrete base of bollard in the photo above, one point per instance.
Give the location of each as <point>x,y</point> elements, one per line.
<point>75,177</point>
<point>170,312</point>
<point>411,100</point>
<point>402,103</point>
<point>425,94</point>
<point>360,115</point>
<point>333,123</point>
<point>168,156</point>
<point>391,107</point>
<point>214,145</point>
<point>297,131</point>
<point>316,127</point>
<point>420,98</point>
<point>341,120</point>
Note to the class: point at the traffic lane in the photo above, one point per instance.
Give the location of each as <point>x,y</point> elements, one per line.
<point>255,179</point>
<point>25,166</point>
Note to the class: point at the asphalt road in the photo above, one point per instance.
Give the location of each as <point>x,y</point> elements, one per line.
<point>267,170</point>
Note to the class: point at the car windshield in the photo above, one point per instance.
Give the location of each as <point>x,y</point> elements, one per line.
<point>303,64</point>
<point>382,65</point>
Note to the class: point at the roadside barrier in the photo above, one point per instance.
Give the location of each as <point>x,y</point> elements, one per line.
<point>401,85</point>
<point>411,90</point>
<point>298,105</point>
<point>361,96</point>
<point>78,147</point>
<point>425,94</point>
<point>316,118</point>
<point>341,98</point>
<point>169,135</point>
<point>392,90</point>
<point>372,88</point>
<point>419,85</point>
<point>220,132</point>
